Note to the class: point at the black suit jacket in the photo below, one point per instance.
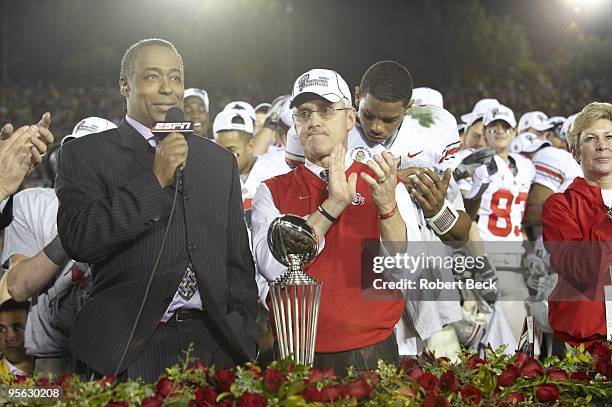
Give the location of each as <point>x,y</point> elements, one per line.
<point>113,214</point>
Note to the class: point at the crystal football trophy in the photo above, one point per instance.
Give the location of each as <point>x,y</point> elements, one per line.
<point>295,295</point>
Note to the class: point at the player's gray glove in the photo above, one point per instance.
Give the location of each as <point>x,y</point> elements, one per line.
<point>468,165</point>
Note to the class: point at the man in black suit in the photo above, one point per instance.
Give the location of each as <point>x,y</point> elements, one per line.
<point>116,195</point>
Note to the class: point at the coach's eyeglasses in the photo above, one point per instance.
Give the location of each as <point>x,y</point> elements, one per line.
<point>303,116</point>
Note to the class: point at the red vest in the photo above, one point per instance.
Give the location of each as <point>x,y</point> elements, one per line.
<point>346,320</point>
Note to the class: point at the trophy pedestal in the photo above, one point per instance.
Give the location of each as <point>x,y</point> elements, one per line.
<point>295,306</point>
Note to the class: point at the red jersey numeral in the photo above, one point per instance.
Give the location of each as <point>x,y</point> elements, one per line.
<point>504,213</point>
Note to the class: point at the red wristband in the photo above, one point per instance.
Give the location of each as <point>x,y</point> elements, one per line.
<point>388,214</point>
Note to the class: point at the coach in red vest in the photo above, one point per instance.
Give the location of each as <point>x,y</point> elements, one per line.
<point>346,202</point>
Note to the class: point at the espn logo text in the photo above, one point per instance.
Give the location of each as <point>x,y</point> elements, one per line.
<point>173,126</point>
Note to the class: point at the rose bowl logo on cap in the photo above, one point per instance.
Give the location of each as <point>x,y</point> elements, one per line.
<point>302,81</point>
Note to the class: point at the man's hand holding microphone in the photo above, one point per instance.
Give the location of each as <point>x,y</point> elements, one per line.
<point>171,151</point>
<point>170,154</point>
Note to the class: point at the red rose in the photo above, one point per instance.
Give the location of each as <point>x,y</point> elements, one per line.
<point>474,361</point>
<point>435,401</point>
<point>521,357</point>
<point>311,393</point>
<point>225,378</point>
<point>429,382</point>
<point>604,367</point>
<point>272,379</point>
<point>328,373</point>
<point>62,380</point>
<point>471,394</point>
<point>107,380</point>
<point>359,389</point>
<point>372,377</point>
<point>448,382</point>
<point>547,392</point>
<point>164,387</point>
<point>315,374</point>
<point>206,395</point>
<point>42,381</point>
<point>408,363</point>
<point>333,393</point>
<point>558,375</point>
<point>531,368</point>
<point>508,376</point>
<point>515,397</point>
<point>414,373</point>
<point>580,375</point>
<point>252,400</point>
<point>152,401</point>
<point>19,379</point>
<point>600,349</point>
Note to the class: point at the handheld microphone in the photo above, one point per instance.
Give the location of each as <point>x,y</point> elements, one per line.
<point>174,123</point>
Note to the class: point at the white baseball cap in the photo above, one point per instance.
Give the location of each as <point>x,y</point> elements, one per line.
<point>323,82</point>
<point>567,124</point>
<point>499,112</point>
<point>225,121</point>
<point>556,120</point>
<point>479,110</point>
<point>527,143</point>
<point>285,114</point>
<point>264,105</point>
<point>88,126</point>
<point>200,93</point>
<point>241,105</point>
<point>536,120</point>
<point>427,96</point>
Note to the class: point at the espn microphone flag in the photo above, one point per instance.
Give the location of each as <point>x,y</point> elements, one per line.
<point>174,123</point>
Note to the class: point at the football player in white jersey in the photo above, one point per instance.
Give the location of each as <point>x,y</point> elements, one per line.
<point>555,169</point>
<point>500,215</point>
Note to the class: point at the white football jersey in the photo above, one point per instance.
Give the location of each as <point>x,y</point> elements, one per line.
<point>428,133</point>
<point>266,166</point>
<point>555,167</point>
<point>503,203</point>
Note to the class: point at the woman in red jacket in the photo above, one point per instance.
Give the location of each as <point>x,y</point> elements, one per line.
<point>578,232</point>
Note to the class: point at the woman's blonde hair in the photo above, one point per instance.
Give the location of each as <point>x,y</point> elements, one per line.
<point>585,119</point>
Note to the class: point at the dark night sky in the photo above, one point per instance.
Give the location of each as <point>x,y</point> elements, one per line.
<point>249,38</point>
